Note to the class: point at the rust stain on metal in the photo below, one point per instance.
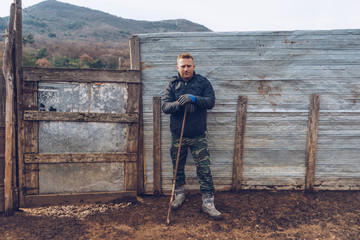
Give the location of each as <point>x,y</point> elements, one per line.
<point>228,84</point>
<point>272,103</point>
<point>287,41</point>
<point>146,65</point>
<point>263,88</point>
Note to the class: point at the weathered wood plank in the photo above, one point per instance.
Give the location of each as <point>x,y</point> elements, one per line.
<point>133,102</point>
<point>130,176</point>
<point>31,127</point>
<point>312,142</point>
<point>2,145</point>
<point>8,71</point>
<point>141,147</point>
<point>2,166</point>
<point>2,140</point>
<point>44,158</point>
<point>20,176</point>
<point>134,53</point>
<point>81,117</point>
<point>79,198</point>
<point>31,185</point>
<point>133,107</point>
<point>157,145</point>
<point>135,64</point>
<point>80,75</point>
<point>2,100</point>
<point>31,144</point>
<point>239,143</point>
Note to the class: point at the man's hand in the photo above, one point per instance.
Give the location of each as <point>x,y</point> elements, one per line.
<point>190,107</point>
<point>186,98</point>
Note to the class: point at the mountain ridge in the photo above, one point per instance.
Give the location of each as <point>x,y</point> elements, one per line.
<point>64,21</point>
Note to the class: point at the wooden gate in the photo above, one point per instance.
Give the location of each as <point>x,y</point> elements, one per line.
<point>80,136</point>
<point>72,135</point>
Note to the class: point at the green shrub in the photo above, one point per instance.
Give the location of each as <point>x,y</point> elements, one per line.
<point>29,59</point>
<point>42,53</point>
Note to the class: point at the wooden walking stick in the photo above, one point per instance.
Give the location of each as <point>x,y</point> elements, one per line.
<point>176,168</point>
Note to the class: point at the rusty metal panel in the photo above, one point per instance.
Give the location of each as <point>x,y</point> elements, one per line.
<point>78,137</point>
<point>277,71</point>
<point>83,97</point>
<point>81,177</point>
<point>82,137</point>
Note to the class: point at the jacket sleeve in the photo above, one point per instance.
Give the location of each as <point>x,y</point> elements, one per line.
<point>207,100</point>
<point>169,103</point>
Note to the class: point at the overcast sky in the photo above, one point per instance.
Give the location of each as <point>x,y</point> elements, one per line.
<point>230,15</point>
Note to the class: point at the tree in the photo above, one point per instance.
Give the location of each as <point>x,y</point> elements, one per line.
<point>85,61</point>
<point>28,38</point>
<point>42,53</point>
<point>52,35</point>
<point>43,63</point>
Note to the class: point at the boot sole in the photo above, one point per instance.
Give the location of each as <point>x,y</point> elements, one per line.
<point>176,208</point>
<point>217,218</point>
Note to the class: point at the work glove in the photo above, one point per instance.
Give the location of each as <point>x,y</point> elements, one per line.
<point>186,98</point>
<point>190,107</point>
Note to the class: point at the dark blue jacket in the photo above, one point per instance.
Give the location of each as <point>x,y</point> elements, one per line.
<point>202,89</point>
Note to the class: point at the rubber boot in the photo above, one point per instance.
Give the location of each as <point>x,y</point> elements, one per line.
<point>208,207</point>
<point>179,198</point>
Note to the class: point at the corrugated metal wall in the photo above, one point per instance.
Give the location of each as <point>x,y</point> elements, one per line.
<point>277,71</point>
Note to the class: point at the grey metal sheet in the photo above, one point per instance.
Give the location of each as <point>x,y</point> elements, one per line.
<point>81,177</point>
<point>78,137</point>
<point>83,97</point>
<point>277,71</point>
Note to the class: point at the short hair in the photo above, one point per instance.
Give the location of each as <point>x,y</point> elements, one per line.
<point>184,55</point>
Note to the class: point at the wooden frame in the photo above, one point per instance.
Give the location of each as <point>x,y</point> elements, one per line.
<point>311,146</point>
<point>81,117</point>
<point>2,141</point>
<point>157,145</point>
<point>79,157</point>
<point>239,143</point>
<point>30,159</point>
<point>78,198</point>
<point>32,74</point>
<point>8,71</point>
<point>135,65</point>
<point>19,94</point>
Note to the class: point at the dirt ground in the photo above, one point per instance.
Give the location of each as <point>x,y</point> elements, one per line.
<point>248,215</point>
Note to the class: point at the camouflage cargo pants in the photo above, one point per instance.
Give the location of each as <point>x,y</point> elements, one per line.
<point>200,152</point>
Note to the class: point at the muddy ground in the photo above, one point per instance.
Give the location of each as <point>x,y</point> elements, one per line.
<point>248,215</point>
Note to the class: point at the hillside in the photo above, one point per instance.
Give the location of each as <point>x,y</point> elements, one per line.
<point>62,21</point>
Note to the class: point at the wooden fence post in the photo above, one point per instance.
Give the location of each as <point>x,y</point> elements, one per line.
<point>239,143</point>
<point>19,104</point>
<point>311,144</point>
<point>157,145</point>
<point>2,140</point>
<point>135,64</point>
<point>8,71</point>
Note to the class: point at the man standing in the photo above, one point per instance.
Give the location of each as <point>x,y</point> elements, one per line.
<point>194,93</point>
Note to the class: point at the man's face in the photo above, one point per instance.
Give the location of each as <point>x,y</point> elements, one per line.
<point>186,68</point>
